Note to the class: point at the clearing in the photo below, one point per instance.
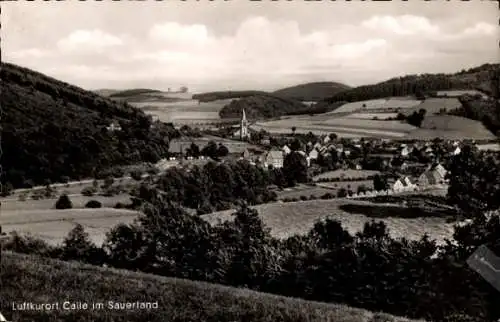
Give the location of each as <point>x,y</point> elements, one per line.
<point>346,174</point>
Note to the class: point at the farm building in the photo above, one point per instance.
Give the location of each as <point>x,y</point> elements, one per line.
<point>432,176</point>
<point>404,184</point>
<point>273,158</point>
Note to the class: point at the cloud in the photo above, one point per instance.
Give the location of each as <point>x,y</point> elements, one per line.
<point>88,40</point>
<point>402,25</point>
<point>262,52</point>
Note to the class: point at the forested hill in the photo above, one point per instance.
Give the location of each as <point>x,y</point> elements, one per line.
<point>418,85</point>
<point>222,95</point>
<point>262,106</point>
<point>311,91</point>
<point>53,130</point>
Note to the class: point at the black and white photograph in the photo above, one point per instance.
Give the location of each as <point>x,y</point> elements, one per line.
<point>250,161</point>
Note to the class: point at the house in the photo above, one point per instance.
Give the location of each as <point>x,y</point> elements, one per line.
<point>286,150</point>
<point>326,139</point>
<point>433,176</point>
<point>404,184</point>
<point>313,155</point>
<point>302,153</point>
<point>265,141</point>
<point>406,151</point>
<point>274,158</point>
<point>456,151</point>
<point>245,155</point>
<point>114,126</point>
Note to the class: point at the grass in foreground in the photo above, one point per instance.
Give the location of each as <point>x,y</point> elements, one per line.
<point>28,278</point>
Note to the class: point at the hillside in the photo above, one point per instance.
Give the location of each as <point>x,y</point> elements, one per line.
<point>133,92</point>
<point>31,279</point>
<point>52,130</point>
<point>261,106</point>
<point>222,95</point>
<point>311,92</point>
<point>106,92</point>
<point>418,85</point>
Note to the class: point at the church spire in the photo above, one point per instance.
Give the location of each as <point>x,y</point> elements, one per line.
<point>244,116</point>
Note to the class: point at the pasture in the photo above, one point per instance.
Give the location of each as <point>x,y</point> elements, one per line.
<point>54,225</point>
<point>458,93</point>
<point>371,116</point>
<point>450,127</point>
<point>185,112</point>
<point>342,126</point>
<point>346,174</point>
<point>435,105</point>
<point>287,219</point>
<point>348,185</point>
<point>303,190</point>
<point>391,103</point>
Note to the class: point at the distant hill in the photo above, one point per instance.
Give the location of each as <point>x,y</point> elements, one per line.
<point>52,129</point>
<point>418,85</point>
<point>222,95</point>
<point>133,92</point>
<point>311,92</point>
<point>262,106</point>
<point>178,300</point>
<point>106,91</point>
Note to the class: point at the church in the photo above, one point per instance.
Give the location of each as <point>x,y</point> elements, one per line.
<point>244,132</point>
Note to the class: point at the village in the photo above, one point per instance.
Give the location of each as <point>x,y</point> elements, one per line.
<point>406,165</point>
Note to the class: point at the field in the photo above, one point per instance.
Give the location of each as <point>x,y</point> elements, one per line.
<point>343,126</point>
<point>184,112</point>
<point>27,278</point>
<point>287,219</point>
<point>451,128</point>
<point>371,116</point>
<point>352,185</point>
<point>344,174</point>
<point>54,225</point>
<point>434,105</point>
<point>458,93</point>
<point>303,190</point>
<point>232,145</point>
<point>378,104</point>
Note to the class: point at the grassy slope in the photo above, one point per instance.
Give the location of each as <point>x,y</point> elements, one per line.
<point>41,280</point>
<point>311,91</point>
<point>286,219</point>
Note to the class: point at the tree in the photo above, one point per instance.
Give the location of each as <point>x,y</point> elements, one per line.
<point>210,150</point>
<point>194,150</point>
<point>380,183</point>
<point>77,246</point>
<point>64,202</point>
<point>294,128</point>
<point>6,189</point>
<point>222,150</point>
<point>295,168</point>
<point>93,204</point>
<point>342,193</point>
<point>473,181</point>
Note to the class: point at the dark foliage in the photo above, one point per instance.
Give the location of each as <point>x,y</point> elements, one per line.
<point>213,96</point>
<point>311,91</point>
<point>93,204</point>
<point>261,106</point>
<point>53,130</point>
<point>417,84</point>
<point>64,202</point>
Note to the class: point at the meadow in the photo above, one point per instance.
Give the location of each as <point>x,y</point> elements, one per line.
<point>378,104</point>
<point>435,105</point>
<point>287,219</point>
<point>346,174</point>
<point>185,112</point>
<point>451,127</point>
<point>54,225</point>
<point>29,278</point>
<point>303,190</point>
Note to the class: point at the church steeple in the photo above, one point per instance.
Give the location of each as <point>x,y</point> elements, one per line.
<point>243,126</point>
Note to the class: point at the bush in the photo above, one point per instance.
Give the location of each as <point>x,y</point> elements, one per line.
<point>119,205</point>
<point>64,202</point>
<point>303,198</point>
<point>93,204</point>
<point>89,191</point>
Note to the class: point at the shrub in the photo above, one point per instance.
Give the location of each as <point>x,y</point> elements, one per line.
<point>303,198</point>
<point>119,205</point>
<point>64,202</point>
<point>89,191</point>
<point>93,204</point>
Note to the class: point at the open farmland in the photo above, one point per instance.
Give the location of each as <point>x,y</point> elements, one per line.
<point>391,103</point>
<point>434,105</point>
<point>346,174</point>
<point>303,190</point>
<point>342,126</point>
<point>287,219</point>
<point>348,185</point>
<point>185,112</point>
<point>450,127</point>
<point>371,116</point>
<point>54,225</point>
<point>458,93</point>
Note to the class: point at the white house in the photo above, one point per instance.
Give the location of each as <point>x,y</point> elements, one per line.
<point>326,139</point>
<point>313,155</point>
<point>456,151</point>
<point>274,158</point>
<point>286,150</point>
<point>404,184</point>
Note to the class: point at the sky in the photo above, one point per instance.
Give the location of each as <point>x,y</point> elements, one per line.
<point>241,44</point>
